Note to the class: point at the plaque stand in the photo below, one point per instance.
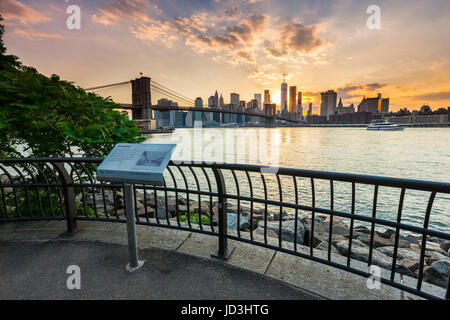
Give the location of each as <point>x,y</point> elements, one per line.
<point>134,263</point>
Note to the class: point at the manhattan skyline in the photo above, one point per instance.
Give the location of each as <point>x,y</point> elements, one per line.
<point>242,46</point>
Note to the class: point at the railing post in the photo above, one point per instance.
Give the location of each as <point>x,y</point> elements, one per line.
<point>69,199</point>
<point>224,250</point>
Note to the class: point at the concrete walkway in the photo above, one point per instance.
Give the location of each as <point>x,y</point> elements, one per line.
<point>37,270</point>
<point>177,257</point>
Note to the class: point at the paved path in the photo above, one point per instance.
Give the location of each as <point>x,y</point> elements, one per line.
<point>255,262</point>
<point>37,270</point>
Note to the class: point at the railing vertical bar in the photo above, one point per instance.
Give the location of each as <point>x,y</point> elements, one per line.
<point>199,199</point>
<point>280,231</point>
<point>352,221</point>
<point>166,198</point>
<point>211,211</point>
<point>115,203</point>
<point>313,200</point>
<point>251,204</point>
<point>238,193</point>
<point>424,240</point>
<point>187,196</point>
<point>372,230</point>
<point>176,195</point>
<point>296,213</point>
<point>331,219</point>
<point>397,233</point>
<point>265,207</point>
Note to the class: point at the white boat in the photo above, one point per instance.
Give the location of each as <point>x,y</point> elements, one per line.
<point>380,125</point>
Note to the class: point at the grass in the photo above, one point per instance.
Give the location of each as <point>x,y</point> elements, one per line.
<point>194,218</point>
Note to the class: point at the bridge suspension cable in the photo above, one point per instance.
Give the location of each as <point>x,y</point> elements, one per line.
<point>107,86</point>
<point>171,96</point>
<point>176,93</point>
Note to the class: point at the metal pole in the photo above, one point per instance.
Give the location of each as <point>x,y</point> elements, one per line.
<point>131,229</point>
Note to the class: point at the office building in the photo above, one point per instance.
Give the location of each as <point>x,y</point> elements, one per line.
<point>292,99</point>
<point>267,97</point>
<point>328,103</point>
<point>257,97</point>
<point>283,98</point>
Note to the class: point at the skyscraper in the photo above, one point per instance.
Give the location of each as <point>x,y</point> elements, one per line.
<point>267,97</point>
<point>292,99</point>
<point>234,99</point>
<point>328,103</point>
<point>283,99</point>
<point>216,99</point>
<point>300,100</point>
<point>199,102</point>
<point>221,102</point>
<point>258,98</point>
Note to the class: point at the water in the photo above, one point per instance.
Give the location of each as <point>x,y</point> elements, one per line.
<point>415,153</point>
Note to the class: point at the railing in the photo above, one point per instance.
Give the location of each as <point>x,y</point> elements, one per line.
<point>310,214</point>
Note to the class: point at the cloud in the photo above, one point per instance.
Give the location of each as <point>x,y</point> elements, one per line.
<point>123,10</point>
<point>432,96</point>
<point>299,37</point>
<point>12,9</point>
<point>31,33</point>
<point>357,90</point>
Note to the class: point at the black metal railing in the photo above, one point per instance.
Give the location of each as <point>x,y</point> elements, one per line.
<point>310,214</point>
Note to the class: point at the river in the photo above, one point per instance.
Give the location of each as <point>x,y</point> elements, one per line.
<point>415,153</point>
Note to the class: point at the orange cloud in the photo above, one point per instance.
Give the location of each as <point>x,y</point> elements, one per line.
<point>31,33</point>
<point>12,9</point>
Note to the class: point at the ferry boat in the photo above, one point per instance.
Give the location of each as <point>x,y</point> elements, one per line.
<point>380,125</point>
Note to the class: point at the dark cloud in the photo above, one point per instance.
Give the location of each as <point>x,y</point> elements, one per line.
<point>433,96</point>
<point>348,91</point>
<point>299,37</point>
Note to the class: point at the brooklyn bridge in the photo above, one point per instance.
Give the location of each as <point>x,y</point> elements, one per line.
<point>142,108</point>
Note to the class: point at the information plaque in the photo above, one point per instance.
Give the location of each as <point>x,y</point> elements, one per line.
<point>136,163</point>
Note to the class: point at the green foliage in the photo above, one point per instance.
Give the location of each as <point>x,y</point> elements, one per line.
<point>53,118</point>
<point>194,218</point>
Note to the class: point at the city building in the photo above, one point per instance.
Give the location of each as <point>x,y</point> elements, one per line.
<point>292,99</point>
<point>234,99</point>
<point>267,97</point>
<point>257,97</point>
<point>283,99</point>
<point>374,105</point>
<point>221,102</point>
<point>342,110</point>
<point>328,103</point>
<point>199,102</point>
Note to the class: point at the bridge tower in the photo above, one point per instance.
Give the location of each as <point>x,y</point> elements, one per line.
<point>141,97</point>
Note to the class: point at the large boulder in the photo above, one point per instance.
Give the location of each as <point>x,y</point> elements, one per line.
<point>402,253</point>
<point>360,251</point>
<point>437,274</point>
<point>377,240</point>
<point>232,222</point>
<point>288,230</point>
<point>445,245</point>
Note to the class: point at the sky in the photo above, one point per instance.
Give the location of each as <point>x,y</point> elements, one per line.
<point>196,47</point>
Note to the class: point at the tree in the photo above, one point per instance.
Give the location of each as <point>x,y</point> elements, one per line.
<point>47,117</point>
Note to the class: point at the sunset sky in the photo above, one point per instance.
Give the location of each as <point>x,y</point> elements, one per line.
<point>198,46</point>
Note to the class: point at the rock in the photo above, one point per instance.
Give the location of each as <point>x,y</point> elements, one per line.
<point>412,265</point>
<point>360,252</point>
<point>386,234</point>
<point>432,256</point>
<point>324,246</point>
<point>377,240</point>
<point>358,230</point>
<point>445,245</point>
<point>232,222</point>
<point>437,274</point>
<point>402,253</point>
<point>270,233</point>
<point>405,242</point>
<point>432,246</point>
<point>276,216</point>
<point>288,230</point>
